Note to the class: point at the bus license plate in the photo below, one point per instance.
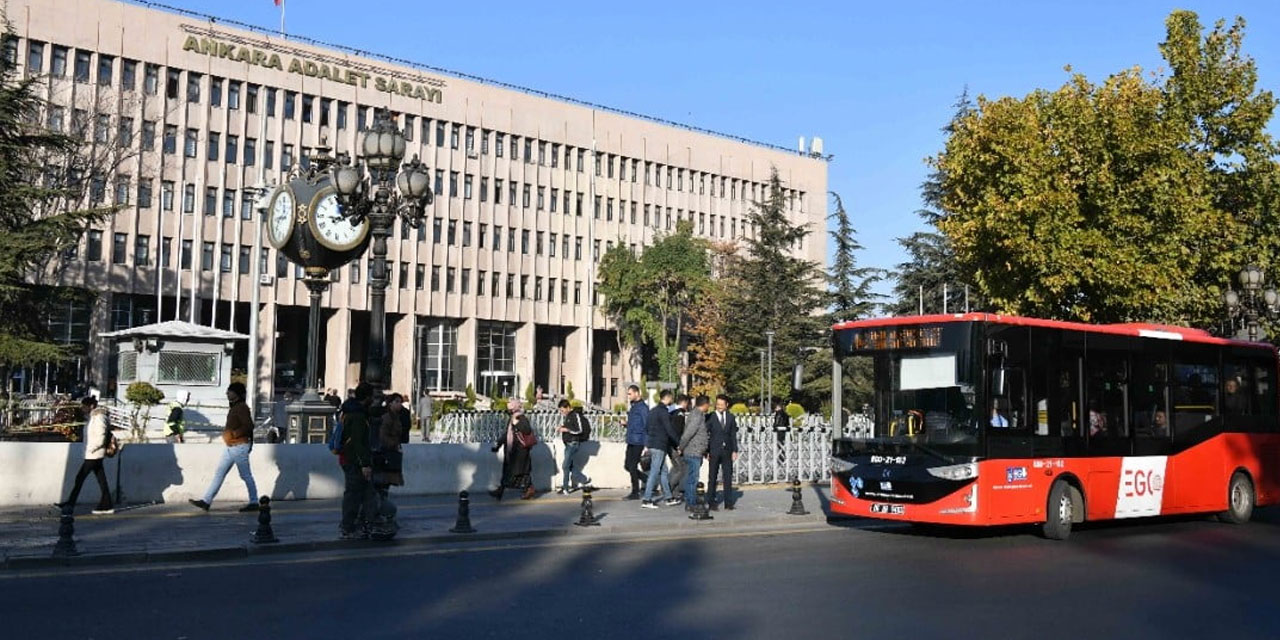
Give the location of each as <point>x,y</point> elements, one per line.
<point>891,509</point>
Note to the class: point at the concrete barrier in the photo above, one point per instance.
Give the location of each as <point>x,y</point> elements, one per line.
<point>42,473</point>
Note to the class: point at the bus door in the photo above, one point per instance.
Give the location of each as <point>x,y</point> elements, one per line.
<point>1008,422</point>
<point>1107,431</point>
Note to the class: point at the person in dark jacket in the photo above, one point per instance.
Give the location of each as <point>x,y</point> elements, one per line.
<point>573,432</point>
<point>678,409</point>
<point>659,445</point>
<point>238,436</point>
<point>637,421</point>
<point>781,425</point>
<point>517,463</point>
<point>358,498</point>
<point>722,451</point>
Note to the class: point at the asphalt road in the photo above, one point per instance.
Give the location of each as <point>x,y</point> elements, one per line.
<point>1168,579</point>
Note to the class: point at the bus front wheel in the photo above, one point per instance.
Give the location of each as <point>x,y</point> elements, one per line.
<point>1240,500</point>
<point>1060,512</point>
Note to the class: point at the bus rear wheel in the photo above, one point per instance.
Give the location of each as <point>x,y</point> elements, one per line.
<point>1060,512</point>
<point>1240,500</point>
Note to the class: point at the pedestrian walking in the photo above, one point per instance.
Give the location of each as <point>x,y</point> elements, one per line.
<point>781,425</point>
<point>517,463</point>
<point>97,435</point>
<point>659,445</point>
<point>174,423</point>
<point>388,457</point>
<point>358,500</point>
<point>237,435</point>
<point>679,412</point>
<point>574,431</point>
<point>722,451</point>
<point>636,422</point>
<point>693,447</point>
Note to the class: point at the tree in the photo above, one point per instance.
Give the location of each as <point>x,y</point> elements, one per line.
<point>46,205</point>
<point>775,290</point>
<point>1130,200</point>
<point>143,396</point>
<point>851,294</point>
<point>931,266</point>
<point>708,344</point>
<point>648,297</point>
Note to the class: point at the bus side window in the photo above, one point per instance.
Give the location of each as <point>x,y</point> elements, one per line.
<point>1264,392</point>
<point>1195,393</point>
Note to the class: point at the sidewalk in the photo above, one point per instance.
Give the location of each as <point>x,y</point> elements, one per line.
<point>179,532</point>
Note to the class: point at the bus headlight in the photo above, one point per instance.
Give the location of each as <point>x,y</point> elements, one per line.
<point>955,471</point>
<point>840,465</point>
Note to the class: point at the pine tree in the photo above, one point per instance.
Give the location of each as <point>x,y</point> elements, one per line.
<point>851,293</point>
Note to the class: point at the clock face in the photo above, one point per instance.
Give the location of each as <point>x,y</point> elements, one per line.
<point>331,227</point>
<point>280,218</point>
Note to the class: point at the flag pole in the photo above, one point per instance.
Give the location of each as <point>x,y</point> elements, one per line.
<point>282,3</point>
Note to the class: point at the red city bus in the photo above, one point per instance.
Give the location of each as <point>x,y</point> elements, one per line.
<point>980,419</point>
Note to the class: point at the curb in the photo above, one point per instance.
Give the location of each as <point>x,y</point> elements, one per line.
<point>249,550</point>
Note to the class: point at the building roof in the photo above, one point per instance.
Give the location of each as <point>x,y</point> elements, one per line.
<point>175,329</point>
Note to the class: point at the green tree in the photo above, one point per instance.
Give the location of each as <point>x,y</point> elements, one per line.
<point>648,298</point>
<point>775,290</point>
<point>1129,200</point>
<point>143,396</point>
<point>851,291</point>
<point>46,205</point>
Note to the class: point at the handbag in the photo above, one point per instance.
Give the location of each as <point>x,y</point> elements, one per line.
<point>526,440</point>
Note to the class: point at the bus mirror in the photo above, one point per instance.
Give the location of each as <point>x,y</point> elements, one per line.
<point>1000,382</point>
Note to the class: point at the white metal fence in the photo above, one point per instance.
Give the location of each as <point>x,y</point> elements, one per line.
<point>765,455</point>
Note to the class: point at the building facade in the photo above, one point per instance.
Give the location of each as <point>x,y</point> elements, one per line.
<point>496,288</point>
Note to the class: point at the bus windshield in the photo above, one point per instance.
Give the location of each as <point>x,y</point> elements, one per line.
<point>924,384</point>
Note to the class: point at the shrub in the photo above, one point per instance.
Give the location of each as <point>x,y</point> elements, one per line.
<point>568,392</point>
<point>621,407</point>
<point>738,409</point>
<point>575,404</point>
<point>795,411</point>
<point>470,404</point>
<point>143,396</point>
<point>530,397</point>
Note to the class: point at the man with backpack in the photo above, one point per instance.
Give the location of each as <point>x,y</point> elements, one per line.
<point>575,431</point>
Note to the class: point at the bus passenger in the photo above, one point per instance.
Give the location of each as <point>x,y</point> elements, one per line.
<point>998,420</point>
<point>1160,424</point>
<point>1235,403</point>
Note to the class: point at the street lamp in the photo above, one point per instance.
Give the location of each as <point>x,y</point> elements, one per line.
<point>1252,304</point>
<point>762,407</point>
<point>374,197</point>
<point>769,405</point>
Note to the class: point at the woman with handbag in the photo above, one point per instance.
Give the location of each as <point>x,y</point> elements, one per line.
<point>517,463</point>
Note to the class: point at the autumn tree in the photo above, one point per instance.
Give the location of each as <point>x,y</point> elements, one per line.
<point>1134,199</point>
<point>708,343</point>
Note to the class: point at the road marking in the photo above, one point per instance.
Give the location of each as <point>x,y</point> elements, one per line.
<point>344,555</point>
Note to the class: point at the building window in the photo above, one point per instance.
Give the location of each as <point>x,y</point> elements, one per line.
<point>435,278</point>
<point>193,86</point>
<point>144,193</point>
<point>229,203</point>
<point>246,204</point>
<point>206,256</point>
<point>497,190</point>
<point>471,139</point>
<point>484,142</point>
<point>250,152</point>
<point>497,144</point>
<point>82,65</point>
<point>440,369</point>
<point>419,276</point>
<point>564,291</point>
<point>525,201</point>
<point>233,94</point>
<point>246,257</point>
<point>466,233</point>
<point>210,200</point>
<point>170,142</point>
<point>215,92</point>
<point>286,157</point>
<point>290,104</point>
<point>35,57</point>
<point>269,154</point>
<point>118,241</point>
<point>224,261</point>
<point>214,148</point>
<point>166,195</point>
<point>308,105</point>
<point>511,286</point>
<point>123,187</point>
<point>538,243</point>
<point>184,259</point>
<point>189,144</point>
<point>271,102</point>
<point>233,144</point>
<point>166,250</point>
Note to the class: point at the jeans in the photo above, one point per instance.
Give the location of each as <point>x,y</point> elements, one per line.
<point>691,479</point>
<point>359,502</point>
<point>239,456</point>
<point>657,473</point>
<point>94,467</point>
<point>566,467</point>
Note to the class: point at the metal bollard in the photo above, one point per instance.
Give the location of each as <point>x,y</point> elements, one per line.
<point>264,534</point>
<point>66,545</point>
<point>700,511</point>
<point>588,517</point>
<point>797,502</point>
<point>464,515</point>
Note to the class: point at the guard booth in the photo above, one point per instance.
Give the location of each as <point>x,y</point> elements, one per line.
<point>187,362</point>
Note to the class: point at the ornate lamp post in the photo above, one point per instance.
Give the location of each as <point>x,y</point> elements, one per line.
<point>374,199</point>
<point>1252,304</point>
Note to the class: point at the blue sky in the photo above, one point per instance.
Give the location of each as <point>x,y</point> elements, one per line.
<point>875,80</point>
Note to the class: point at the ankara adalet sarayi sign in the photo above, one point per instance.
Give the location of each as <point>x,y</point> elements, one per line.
<point>309,68</point>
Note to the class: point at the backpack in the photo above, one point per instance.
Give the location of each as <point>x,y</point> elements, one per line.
<point>586,427</point>
<point>335,438</point>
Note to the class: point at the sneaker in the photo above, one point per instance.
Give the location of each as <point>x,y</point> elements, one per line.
<point>252,506</point>
<point>673,502</point>
<point>631,496</point>
<point>729,507</point>
<point>562,491</point>
<point>353,534</point>
<point>199,503</point>
<point>103,512</point>
<point>648,504</point>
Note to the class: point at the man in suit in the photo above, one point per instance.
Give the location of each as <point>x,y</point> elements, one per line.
<point>722,451</point>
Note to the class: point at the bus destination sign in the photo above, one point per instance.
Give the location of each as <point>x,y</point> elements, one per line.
<point>880,339</point>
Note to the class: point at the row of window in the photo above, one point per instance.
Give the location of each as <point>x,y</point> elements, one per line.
<point>226,255</point>
<point>318,110</point>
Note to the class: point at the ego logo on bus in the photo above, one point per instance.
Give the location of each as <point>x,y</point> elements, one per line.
<point>1142,482</point>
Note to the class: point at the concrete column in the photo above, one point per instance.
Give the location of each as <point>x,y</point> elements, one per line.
<point>467,349</point>
<point>524,356</point>
<point>100,349</point>
<point>577,361</point>
<point>336,374</point>
<point>266,351</point>
<point>400,338</point>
